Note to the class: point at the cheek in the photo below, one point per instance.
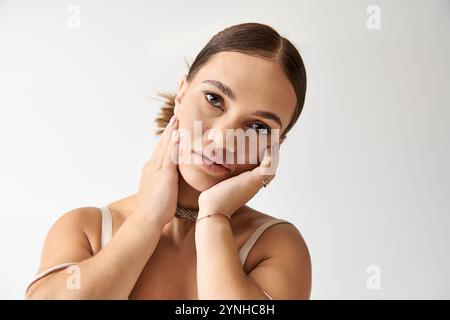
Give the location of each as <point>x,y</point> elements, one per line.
<point>254,151</point>
<point>190,111</point>
<point>192,106</point>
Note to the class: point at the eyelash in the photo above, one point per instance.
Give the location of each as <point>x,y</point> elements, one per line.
<point>264,126</point>
<point>215,96</point>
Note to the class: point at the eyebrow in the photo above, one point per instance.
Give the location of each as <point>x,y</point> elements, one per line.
<point>268,115</point>
<point>222,87</point>
<point>230,94</point>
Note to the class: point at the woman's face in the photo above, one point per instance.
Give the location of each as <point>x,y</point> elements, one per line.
<point>230,111</point>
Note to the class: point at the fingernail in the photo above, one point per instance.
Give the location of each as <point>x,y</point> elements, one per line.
<point>265,162</point>
<point>175,135</point>
<point>172,120</point>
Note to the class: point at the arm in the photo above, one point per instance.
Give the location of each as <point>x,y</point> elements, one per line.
<point>285,274</point>
<point>111,274</point>
<point>219,271</point>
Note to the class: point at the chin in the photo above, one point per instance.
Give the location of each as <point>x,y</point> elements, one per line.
<point>196,177</point>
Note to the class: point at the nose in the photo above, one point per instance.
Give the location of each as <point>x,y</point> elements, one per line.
<point>244,146</point>
<point>221,145</point>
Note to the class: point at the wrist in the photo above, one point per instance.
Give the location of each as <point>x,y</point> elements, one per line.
<point>205,210</point>
<point>214,215</point>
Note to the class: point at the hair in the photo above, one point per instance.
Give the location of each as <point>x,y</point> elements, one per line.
<point>253,39</point>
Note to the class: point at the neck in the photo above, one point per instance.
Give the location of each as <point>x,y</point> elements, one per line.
<point>187,196</point>
<point>177,230</point>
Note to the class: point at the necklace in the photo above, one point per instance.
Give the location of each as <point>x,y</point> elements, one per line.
<point>186,214</point>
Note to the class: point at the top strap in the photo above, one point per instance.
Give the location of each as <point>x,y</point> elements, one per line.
<point>245,249</point>
<point>106,226</point>
<point>47,272</point>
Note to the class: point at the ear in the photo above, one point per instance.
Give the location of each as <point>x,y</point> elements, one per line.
<point>181,91</point>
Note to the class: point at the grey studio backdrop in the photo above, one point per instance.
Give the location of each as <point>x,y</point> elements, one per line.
<point>364,175</point>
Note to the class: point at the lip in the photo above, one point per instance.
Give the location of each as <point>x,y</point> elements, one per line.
<point>211,165</point>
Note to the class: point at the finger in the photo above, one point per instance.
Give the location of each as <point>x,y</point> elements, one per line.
<point>265,172</point>
<point>161,147</point>
<point>269,163</point>
<point>253,180</point>
<point>171,157</point>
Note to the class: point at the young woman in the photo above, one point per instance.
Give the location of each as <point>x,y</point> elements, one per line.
<point>188,233</point>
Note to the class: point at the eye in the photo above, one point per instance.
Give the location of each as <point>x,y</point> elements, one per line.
<point>263,129</point>
<point>214,99</point>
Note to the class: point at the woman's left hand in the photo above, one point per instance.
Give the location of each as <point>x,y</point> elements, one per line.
<point>227,196</point>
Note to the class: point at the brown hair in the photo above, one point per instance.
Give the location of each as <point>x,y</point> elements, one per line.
<point>253,39</point>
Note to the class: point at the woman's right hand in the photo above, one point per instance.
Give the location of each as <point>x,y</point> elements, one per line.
<point>158,189</point>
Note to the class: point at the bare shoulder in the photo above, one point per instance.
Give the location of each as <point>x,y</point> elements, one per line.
<point>75,234</point>
<point>282,232</point>
<point>70,239</point>
<point>82,217</point>
<point>281,253</point>
<point>278,239</point>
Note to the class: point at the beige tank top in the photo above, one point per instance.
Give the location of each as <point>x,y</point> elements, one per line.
<point>106,235</point>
